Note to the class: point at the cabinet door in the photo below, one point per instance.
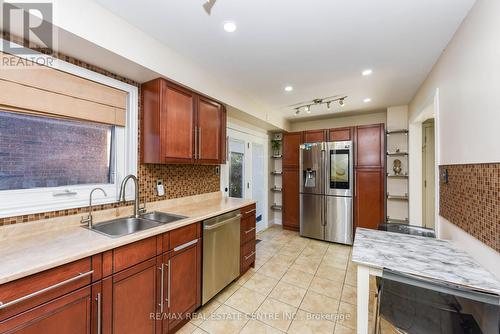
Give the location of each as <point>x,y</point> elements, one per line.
<point>69,314</point>
<point>291,199</point>
<point>340,134</point>
<point>130,299</point>
<point>209,131</point>
<point>291,143</point>
<point>369,146</point>
<point>369,198</point>
<point>177,124</point>
<point>184,288</point>
<point>314,136</point>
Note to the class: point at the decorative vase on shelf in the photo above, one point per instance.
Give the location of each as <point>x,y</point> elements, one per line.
<point>396,167</point>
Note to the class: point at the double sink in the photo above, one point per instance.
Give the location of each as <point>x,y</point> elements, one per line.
<point>123,226</point>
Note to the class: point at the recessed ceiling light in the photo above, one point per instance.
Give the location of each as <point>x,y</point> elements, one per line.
<point>367,100</point>
<point>288,88</point>
<point>367,72</point>
<point>230,26</point>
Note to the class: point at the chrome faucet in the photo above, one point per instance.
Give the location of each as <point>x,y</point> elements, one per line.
<point>137,210</point>
<point>89,220</point>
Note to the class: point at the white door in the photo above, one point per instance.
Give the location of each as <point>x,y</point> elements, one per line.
<point>245,173</point>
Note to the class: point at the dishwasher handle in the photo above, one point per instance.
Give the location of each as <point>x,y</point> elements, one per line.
<point>222,223</point>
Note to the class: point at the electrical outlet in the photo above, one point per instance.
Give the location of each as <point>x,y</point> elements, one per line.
<point>160,189</point>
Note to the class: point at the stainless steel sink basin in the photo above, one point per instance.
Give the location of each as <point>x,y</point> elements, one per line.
<point>123,226</point>
<point>162,217</point>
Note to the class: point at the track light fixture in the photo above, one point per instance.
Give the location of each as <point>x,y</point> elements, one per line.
<point>306,106</point>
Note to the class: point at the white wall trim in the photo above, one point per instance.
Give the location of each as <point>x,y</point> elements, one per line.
<point>25,201</point>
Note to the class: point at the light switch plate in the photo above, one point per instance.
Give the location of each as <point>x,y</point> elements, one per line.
<point>160,188</point>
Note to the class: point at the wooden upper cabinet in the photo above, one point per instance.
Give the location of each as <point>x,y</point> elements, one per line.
<point>291,143</point>
<point>177,124</point>
<point>180,126</point>
<point>369,146</point>
<point>314,136</point>
<point>340,134</point>
<point>209,131</point>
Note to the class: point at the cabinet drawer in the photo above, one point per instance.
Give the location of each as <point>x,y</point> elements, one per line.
<point>25,293</point>
<point>68,314</point>
<point>248,210</point>
<point>183,235</point>
<point>247,229</point>
<point>247,255</point>
<point>126,256</point>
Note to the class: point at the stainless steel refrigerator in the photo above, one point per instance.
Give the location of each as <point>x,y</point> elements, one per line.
<point>326,191</point>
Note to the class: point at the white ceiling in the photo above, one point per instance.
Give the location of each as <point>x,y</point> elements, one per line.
<point>319,47</point>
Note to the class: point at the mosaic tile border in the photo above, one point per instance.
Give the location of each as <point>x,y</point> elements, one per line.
<point>471,200</point>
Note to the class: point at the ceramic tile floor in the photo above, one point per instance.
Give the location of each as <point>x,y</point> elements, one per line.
<point>299,285</point>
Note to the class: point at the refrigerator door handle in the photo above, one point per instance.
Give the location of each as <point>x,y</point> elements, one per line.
<point>325,208</point>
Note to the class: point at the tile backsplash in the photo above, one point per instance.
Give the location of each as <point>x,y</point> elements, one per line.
<point>179,180</point>
<point>471,200</point>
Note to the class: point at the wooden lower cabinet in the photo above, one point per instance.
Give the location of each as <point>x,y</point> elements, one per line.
<point>290,218</point>
<point>130,300</point>
<point>183,285</point>
<point>69,314</point>
<point>369,198</point>
<point>248,227</point>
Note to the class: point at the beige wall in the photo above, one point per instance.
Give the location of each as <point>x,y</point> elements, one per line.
<point>467,75</point>
<point>338,122</point>
<point>468,107</point>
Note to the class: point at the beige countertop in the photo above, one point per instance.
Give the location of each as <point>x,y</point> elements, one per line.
<point>29,248</point>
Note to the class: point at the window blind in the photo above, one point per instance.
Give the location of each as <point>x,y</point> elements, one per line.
<point>38,89</point>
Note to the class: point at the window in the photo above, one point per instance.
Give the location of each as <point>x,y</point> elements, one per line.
<point>63,131</point>
<point>40,152</point>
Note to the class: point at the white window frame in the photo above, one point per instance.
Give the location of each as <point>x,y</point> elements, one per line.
<point>37,200</point>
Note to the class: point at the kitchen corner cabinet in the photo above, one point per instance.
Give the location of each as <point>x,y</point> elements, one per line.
<point>180,126</point>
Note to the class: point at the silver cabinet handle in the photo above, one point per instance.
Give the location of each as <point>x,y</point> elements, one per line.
<point>249,256</point>
<point>248,212</point>
<point>162,285</point>
<point>250,230</point>
<point>214,226</point>
<point>199,142</point>
<point>39,292</point>
<point>99,313</point>
<point>186,245</point>
<point>169,284</point>
<point>195,142</point>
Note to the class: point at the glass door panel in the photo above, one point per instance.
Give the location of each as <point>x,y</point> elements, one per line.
<point>236,168</point>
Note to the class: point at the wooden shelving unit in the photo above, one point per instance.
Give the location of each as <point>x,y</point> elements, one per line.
<point>276,189</point>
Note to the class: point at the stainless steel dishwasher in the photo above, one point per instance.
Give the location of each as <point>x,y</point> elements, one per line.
<point>221,253</point>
